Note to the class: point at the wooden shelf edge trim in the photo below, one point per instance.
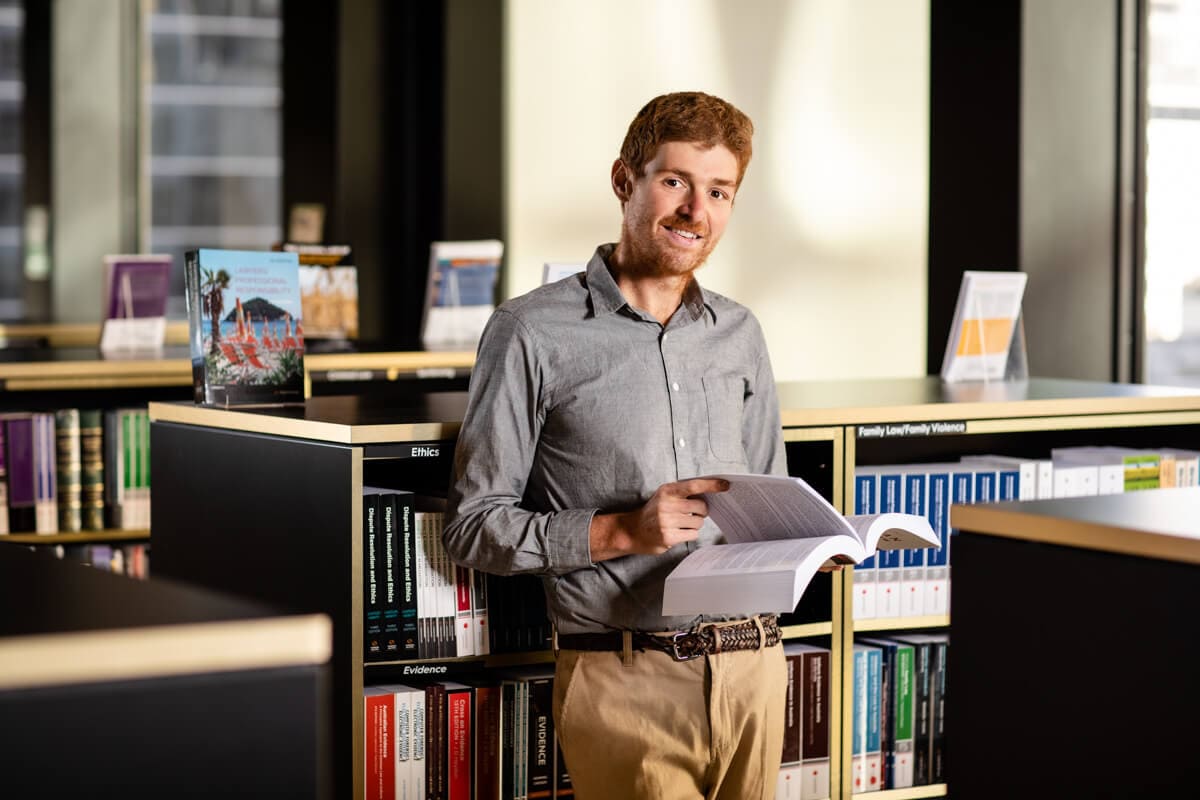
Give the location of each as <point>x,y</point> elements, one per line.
<point>99,537</point>
<point>164,650</point>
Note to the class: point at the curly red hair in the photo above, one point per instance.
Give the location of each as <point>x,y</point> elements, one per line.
<point>687,117</point>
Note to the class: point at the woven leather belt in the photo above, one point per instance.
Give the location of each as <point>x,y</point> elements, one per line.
<point>705,640</point>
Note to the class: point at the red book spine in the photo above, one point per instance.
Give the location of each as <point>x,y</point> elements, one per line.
<point>380,778</point>
<point>458,740</point>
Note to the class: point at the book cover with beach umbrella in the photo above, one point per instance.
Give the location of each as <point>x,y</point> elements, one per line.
<point>245,326</point>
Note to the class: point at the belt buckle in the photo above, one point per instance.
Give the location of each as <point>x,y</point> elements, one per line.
<point>675,647</point>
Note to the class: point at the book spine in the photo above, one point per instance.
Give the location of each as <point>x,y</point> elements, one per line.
<point>464,638</point>
<point>866,501</point>
<point>902,718</point>
<point>888,562</point>
<point>380,775</point>
<point>407,590</point>
<point>22,475</point>
<point>487,742</point>
<point>459,740</point>
<point>922,733</point>
<point>433,723</point>
<point>447,600</point>
<point>887,664</point>
<point>402,747</point>
<point>541,739</point>
<point>3,481</point>
<point>937,572</point>
<point>937,706</point>
<point>912,574</point>
<point>128,478</point>
<point>508,733</point>
<point>794,664</point>
<point>874,753</point>
<point>45,469</point>
<point>193,301</point>
<point>372,564</point>
<point>814,709</point>
<point>419,739</point>
<point>390,607</point>
<point>69,461</point>
<point>858,731</point>
<point>479,612</point>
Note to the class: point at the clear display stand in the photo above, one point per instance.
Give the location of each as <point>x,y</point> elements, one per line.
<point>987,337</point>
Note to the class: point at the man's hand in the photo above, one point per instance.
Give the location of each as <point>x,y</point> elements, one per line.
<point>673,514</point>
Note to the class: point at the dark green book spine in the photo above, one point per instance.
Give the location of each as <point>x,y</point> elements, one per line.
<point>91,453</point>
<point>69,464</point>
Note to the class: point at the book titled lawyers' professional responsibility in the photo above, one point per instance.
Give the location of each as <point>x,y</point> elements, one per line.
<point>778,533</point>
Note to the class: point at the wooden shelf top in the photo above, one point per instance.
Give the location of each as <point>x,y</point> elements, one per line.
<point>1153,523</point>
<point>84,367</point>
<point>351,419</point>
<point>69,623</point>
<point>928,399</point>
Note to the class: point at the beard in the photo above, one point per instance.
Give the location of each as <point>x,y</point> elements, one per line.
<point>653,255</point>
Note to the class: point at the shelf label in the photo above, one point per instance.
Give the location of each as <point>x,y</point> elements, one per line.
<point>897,430</point>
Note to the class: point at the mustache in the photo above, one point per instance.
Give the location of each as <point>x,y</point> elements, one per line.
<point>680,224</point>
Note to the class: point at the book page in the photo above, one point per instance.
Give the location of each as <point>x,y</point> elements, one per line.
<point>893,531</point>
<point>750,578</point>
<point>765,507</point>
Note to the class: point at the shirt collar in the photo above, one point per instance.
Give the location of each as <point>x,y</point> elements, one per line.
<point>606,296</point>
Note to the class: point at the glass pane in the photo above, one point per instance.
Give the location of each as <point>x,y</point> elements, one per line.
<point>12,95</point>
<point>214,104</point>
<point>1172,302</point>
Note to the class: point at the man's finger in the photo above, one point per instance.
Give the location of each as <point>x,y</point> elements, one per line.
<point>695,486</point>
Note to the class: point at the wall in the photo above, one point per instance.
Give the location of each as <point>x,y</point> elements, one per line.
<point>828,242</point>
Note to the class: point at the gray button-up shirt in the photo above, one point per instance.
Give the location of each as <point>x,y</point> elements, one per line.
<point>579,404</point>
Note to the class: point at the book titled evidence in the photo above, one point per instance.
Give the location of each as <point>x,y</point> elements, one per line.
<point>778,531</point>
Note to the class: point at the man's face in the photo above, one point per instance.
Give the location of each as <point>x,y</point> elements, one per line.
<point>675,213</point>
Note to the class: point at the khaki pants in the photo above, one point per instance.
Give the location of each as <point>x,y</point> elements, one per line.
<point>658,728</point>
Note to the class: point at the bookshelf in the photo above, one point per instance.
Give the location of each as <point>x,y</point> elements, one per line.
<point>155,667</point>
<point>1109,586</point>
<point>44,367</point>
<point>280,488</point>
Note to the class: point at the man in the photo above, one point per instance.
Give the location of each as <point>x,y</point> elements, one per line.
<point>594,403</point>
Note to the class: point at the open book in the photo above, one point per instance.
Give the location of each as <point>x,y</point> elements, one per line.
<point>779,532</point>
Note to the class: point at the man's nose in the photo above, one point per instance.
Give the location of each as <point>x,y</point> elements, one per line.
<point>695,205</point>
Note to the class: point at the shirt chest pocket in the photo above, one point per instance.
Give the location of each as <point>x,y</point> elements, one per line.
<point>724,397</point>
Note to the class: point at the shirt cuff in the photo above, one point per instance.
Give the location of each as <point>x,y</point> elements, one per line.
<point>569,533</point>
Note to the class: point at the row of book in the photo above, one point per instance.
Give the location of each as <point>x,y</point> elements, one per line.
<point>445,740</point>
<point>416,602</point>
<point>804,770</point>
<point>74,470</point>
<point>898,731</point>
<point>916,582</point>
<point>130,559</point>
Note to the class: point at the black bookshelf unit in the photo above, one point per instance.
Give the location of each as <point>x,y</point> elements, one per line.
<point>266,502</point>
<point>147,689</point>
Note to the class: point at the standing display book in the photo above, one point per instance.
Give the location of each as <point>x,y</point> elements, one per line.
<point>135,302</point>
<point>460,294</point>
<point>987,340</point>
<point>244,327</point>
<point>779,532</point>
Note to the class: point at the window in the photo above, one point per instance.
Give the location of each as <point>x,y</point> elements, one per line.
<point>1172,303</point>
<point>213,107</point>
<point>11,161</point>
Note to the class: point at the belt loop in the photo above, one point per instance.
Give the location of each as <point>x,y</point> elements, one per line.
<point>627,648</point>
<point>762,633</point>
<point>554,640</point>
<point>716,632</point>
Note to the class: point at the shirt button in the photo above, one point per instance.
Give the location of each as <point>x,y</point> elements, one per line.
<point>675,386</point>
<point>682,443</point>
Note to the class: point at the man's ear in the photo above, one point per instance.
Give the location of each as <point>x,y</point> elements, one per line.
<point>622,181</point>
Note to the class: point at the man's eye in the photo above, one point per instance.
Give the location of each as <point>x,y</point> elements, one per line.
<point>717,194</point>
<point>673,182</point>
